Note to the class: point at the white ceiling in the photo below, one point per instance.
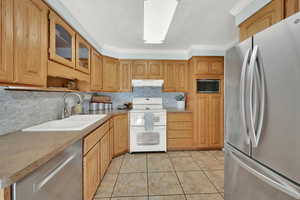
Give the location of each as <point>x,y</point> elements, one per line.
<point>118,24</point>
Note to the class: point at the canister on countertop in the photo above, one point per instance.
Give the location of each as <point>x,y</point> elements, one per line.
<point>94,106</point>
<point>101,106</point>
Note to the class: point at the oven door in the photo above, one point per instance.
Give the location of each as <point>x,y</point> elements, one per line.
<point>138,118</point>
<point>145,141</point>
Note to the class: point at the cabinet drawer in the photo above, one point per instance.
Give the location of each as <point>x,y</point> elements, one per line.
<point>180,134</point>
<point>180,125</point>
<point>175,117</point>
<point>95,136</point>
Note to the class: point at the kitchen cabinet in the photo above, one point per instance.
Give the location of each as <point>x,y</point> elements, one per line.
<point>5,194</point>
<point>291,7</point>
<point>176,76</point>
<point>264,18</point>
<point>96,71</point>
<point>6,41</point>
<point>155,70</point>
<point>169,80</point>
<point>104,154</point>
<point>83,57</point>
<point>111,74</point>
<point>125,76</point>
<point>209,120</point>
<point>62,41</point>
<point>30,42</point>
<point>208,65</point>
<point>120,134</point>
<point>147,69</point>
<point>111,138</point>
<point>180,131</point>
<point>139,69</point>
<point>91,172</point>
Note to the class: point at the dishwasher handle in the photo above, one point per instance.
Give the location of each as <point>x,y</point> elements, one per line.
<point>38,186</point>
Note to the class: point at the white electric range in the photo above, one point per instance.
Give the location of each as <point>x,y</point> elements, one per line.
<point>148,125</point>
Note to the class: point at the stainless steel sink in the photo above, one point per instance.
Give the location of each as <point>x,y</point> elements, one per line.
<point>73,123</point>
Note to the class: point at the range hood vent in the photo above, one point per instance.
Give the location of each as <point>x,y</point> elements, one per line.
<point>147,83</point>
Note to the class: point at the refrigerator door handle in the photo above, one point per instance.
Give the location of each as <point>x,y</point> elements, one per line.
<point>256,70</point>
<point>242,92</point>
<point>274,182</point>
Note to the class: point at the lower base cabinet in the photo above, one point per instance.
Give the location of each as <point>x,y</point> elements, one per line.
<point>91,177</point>
<point>109,140</point>
<point>120,134</point>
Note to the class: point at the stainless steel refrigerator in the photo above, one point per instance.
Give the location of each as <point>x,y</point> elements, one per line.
<point>262,115</point>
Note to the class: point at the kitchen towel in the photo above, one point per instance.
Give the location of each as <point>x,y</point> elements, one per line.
<point>149,121</point>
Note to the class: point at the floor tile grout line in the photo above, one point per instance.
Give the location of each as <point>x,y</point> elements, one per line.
<point>147,170</point>
<point>211,182</point>
<point>178,179</point>
<point>111,195</point>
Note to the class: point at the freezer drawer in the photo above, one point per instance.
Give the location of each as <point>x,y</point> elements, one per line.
<point>59,179</point>
<point>247,180</point>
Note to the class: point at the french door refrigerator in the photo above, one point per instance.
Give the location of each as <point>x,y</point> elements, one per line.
<point>262,115</point>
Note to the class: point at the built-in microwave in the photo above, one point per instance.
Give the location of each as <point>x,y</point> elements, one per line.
<point>208,86</point>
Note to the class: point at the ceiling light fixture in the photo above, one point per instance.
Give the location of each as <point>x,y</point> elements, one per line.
<point>158,15</point>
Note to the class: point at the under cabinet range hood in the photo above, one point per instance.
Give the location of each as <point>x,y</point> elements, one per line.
<point>147,83</point>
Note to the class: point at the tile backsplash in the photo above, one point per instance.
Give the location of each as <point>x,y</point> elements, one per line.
<point>121,98</point>
<point>22,109</point>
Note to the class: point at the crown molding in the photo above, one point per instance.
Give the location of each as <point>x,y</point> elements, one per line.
<point>246,8</point>
<point>126,53</point>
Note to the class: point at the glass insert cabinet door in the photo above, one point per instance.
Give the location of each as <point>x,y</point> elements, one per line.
<point>62,41</point>
<point>82,55</point>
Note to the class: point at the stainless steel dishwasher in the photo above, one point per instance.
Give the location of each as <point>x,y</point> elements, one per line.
<point>59,179</point>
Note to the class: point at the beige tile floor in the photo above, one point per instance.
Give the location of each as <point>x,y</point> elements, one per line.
<point>176,175</point>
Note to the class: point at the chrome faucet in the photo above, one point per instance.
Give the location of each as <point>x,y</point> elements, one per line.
<point>66,112</point>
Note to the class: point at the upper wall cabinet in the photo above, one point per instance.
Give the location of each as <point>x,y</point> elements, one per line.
<point>291,7</point>
<point>82,55</point>
<point>139,69</point>
<point>176,76</point>
<point>125,76</point>
<point>6,41</point>
<point>264,18</point>
<point>155,69</point>
<point>206,65</point>
<point>30,41</point>
<point>151,69</point>
<point>62,41</point>
<point>111,74</point>
<point>96,71</point>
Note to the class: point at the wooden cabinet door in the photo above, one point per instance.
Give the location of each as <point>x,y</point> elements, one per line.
<point>169,80</point>
<point>264,18</point>
<point>216,132</point>
<point>155,69</point>
<point>120,134</point>
<point>111,142</point>
<point>181,76</point>
<point>96,71</point>
<point>6,41</point>
<point>83,55</point>
<point>62,41</point>
<point>291,7</point>
<point>139,69</point>
<point>216,66</point>
<point>105,154</point>
<point>125,76</point>
<point>30,41</point>
<point>91,172</point>
<point>111,74</point>
<point>201,66</point>
<point>202,120</point>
